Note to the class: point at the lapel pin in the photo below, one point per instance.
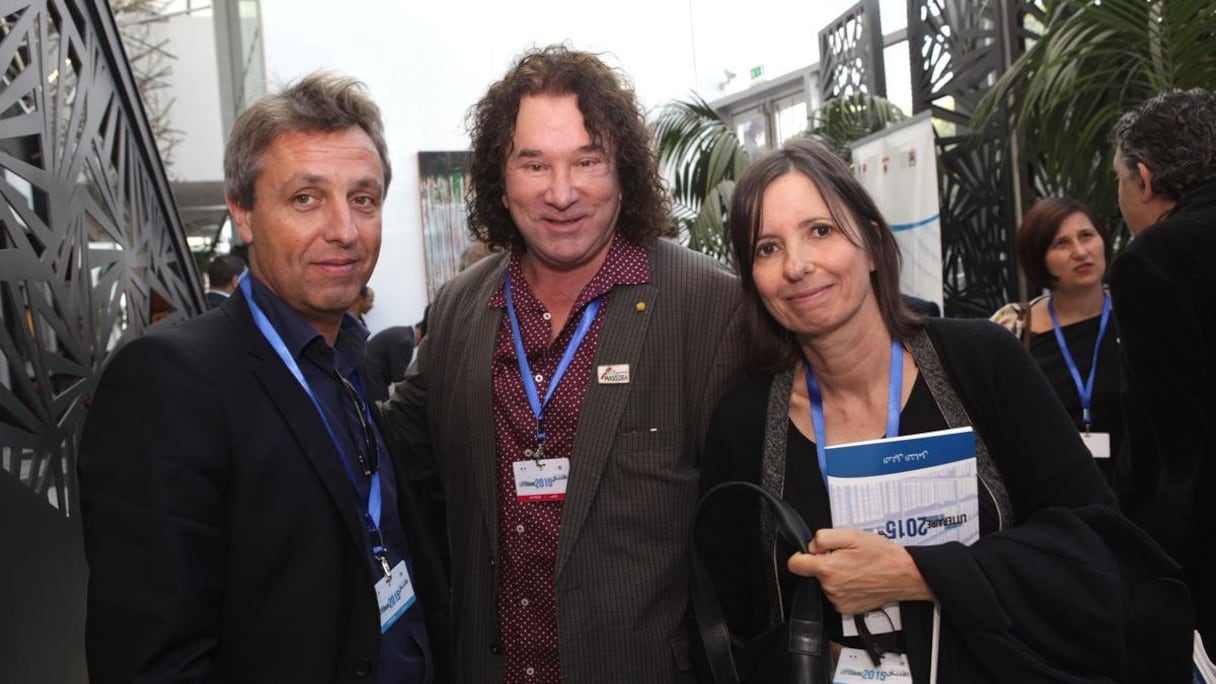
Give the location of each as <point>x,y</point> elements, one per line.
<point>616,374</point>
<point>640,306</point>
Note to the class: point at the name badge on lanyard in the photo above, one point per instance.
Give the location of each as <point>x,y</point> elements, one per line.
<point>543,480</point>
<point>855,667</point>
<point>1098,443</point>
<point>395,594</point>
<point>540,478</point>
<point>398,591</point>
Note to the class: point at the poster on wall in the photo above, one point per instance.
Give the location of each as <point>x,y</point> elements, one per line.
<point>898,167</point>
<point>442,180</point>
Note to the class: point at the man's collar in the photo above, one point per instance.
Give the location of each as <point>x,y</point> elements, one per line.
<point>297,332</point>
<point>626,264</point>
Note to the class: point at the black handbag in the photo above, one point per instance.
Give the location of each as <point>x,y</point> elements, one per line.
<point>807,645</point>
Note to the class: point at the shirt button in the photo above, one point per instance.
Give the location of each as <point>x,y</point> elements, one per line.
<point>530,671</point>
<point>528,453</point>
<point>519,529</point>
<point>539,378</point>
<point>547,316</point>
<point>523,602</point>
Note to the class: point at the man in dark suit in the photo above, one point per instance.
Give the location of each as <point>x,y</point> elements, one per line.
<point>1163,291</point>
<point>564,387</point>
<point>222,275</point>
<point>242,519</point>
<point>388,355</point>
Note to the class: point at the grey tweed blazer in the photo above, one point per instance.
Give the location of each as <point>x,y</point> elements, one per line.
<point>621,579</point>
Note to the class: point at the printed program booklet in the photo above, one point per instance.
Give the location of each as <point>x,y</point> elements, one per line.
<point>915,490</point>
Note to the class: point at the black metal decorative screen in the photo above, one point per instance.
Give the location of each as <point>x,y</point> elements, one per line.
<point>850,54</point>
<point>957,49</point>
<point>91,246</point>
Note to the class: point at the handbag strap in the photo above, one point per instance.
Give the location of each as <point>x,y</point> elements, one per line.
<point>930,367</point>
<point>807,642</point>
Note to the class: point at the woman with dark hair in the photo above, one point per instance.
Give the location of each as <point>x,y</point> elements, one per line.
<point>1070,331</point>
<point>840,360</point>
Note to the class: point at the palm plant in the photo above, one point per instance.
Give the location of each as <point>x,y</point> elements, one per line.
<point>701,152</point>
<point>1094,61</point>
<point>841,121</point>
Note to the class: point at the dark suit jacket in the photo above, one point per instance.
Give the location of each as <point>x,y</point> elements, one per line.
<point>621,577</point>
<point>923,307</point>
<point>223,537</point>
<point>385,359</point>
<point>215,299</point>
<point>1163,291</point>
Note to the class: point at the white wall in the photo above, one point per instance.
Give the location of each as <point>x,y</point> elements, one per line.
<point>426,63</point>
<point>193,84</point>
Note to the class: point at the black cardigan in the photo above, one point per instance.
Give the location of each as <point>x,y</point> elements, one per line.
<point>1043,586</point>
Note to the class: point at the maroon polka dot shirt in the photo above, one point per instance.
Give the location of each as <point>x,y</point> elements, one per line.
<point>528,532</point>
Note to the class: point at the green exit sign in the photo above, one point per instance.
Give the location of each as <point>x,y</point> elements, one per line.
<point>757,72</point>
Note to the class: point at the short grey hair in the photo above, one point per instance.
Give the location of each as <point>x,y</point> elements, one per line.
<point>321,101</point>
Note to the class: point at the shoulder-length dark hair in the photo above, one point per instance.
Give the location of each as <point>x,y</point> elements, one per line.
<point>772,347</point>
<point>613,119</point>
<point>1038,230</point>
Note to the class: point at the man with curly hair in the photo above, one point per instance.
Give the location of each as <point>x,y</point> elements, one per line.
<point>564,388</point>
<point>1163,289</point>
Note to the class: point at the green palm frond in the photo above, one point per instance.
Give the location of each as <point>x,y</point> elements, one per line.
<point>1093,62</point>
<point>703,156</point>
<point>841,121</point>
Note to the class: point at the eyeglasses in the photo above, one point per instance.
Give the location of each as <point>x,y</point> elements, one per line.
<point>367,451</point>
<point>876,644</point>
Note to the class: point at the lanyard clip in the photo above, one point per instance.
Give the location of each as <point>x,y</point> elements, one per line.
<point>388,572</point>
<point>539,454</point>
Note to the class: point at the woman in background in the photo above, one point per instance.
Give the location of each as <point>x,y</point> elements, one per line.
<point>839,359</point>
<point>1064,248</point>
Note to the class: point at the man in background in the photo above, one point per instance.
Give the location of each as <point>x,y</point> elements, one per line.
<point>222,274</point>
<point>242,519</point>
<point>1163,290</point>
<point>564,387</point>
<point>387,356</point>
<point>365,302</point>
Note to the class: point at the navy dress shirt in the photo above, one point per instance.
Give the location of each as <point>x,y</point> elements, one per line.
<point>405,656</point>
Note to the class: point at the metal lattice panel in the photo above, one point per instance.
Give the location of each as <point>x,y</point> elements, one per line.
<point>91,247</point>
<point>850,54</point>
<point>975,263</point>
<point>957,49</point>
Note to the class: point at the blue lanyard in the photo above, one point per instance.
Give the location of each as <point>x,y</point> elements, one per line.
<point>372,514</point>
<point>525,369</point>
<point>895,390</point>
<point>1086,390</point>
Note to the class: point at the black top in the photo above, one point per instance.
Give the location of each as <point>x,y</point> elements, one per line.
<point>1002,596</point>
<point>1106,412</point>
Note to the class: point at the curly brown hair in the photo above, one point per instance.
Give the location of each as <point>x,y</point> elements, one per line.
<point>1174,135</point>
<point>613,119</point>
